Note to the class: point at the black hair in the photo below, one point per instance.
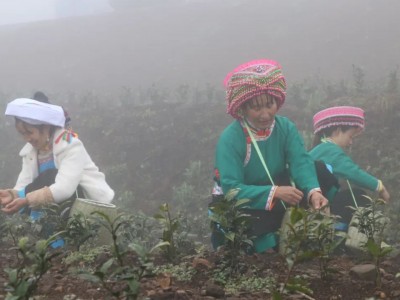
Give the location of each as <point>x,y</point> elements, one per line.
<point>327,132</point>
<point>41,97</point>
<point>258,102</point>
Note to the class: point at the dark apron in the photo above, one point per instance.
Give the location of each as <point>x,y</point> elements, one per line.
<point>263,222</point>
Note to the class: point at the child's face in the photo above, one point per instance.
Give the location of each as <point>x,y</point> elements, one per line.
<point>33,135</point>
<point>344,139</point>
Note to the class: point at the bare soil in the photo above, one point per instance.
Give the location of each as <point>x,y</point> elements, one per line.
<point>59,282</point>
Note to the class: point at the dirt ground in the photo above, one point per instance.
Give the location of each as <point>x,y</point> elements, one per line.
<point>59,283</point>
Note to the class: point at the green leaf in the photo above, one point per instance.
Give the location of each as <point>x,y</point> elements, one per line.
<point>231,194</point>
<point>41,246</point>
<point>295,215</point>
<point>11,297</point>
<point>215,218</point>
<point>276,296</point>
<point>373,248</point>
<point>306,255</point>
<point>22,243</point>
<point>22,288</point>
<point>134,286</point>
<point>89,277</point>
<point>241,202</point>
<point>164,207</point>
<point>230,236</point>
<point>159,245</point>
<point>104,268</point>
<point>386,251</point>
<point>159,216</point>
<point>139,249</point>
<point>12,275</point>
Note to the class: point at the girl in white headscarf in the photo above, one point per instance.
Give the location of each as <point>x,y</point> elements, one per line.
<point>54,161</point>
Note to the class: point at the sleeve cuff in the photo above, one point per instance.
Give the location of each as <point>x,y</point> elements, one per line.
<point>380,186</point>
<point>40,197</point>
<point>312,192</point>
<point>21,193</point>
<point>271,201</point>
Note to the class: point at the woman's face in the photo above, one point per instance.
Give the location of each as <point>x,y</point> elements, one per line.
<point>344,139</point>
<point>36,136</point>
<point>260,111</point>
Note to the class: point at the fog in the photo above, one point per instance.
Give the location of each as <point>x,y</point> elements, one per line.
<point>105,45</point>
<point>25,11</point>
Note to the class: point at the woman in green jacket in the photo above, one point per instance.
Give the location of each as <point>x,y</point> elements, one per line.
<point>255,91</point>
<point>334,129</point>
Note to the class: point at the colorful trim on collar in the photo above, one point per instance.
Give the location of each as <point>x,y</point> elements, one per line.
<point>327,140</point>
<point>259,134</point>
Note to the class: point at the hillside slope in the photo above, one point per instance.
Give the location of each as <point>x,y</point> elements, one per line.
<point>198,42</point>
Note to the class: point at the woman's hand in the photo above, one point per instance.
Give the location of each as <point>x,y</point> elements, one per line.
<point>384,194</point>
<point>288,194</point>
<point>6,196</point>
<point>318,201</point>
<point>15,205</point>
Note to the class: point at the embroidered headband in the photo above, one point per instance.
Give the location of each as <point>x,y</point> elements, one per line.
<point>253,79</point>
<point>35,112</point>
<point>339,116</point>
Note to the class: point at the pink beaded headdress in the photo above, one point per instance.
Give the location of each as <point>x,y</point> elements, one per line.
<point>339,116</point>
<point>252,79</point>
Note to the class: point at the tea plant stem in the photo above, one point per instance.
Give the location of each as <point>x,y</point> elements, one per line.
<point>306,296</point>
<point>171,249</point>
<point>291,269</point>
<point>15,243</point>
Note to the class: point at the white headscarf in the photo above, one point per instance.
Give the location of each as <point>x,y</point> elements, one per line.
<point>35,112</point>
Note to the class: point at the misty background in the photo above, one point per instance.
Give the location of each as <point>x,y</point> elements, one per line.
<point>80,45</point>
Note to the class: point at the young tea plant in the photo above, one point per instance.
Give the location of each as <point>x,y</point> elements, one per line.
<point>295,246</point>
<point>113,226</point>
<point>36,261</point>
<point>80,229</point>
<point>119,270</point>
<point>191,194</point>
<point>371,223</point>
<point>170,226</point>
<point>307,234</point>
<point>142,229</point>
<point>230,227</point>
<point>17,227</point>
<point>324,239</point>
<point>50,219</point>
